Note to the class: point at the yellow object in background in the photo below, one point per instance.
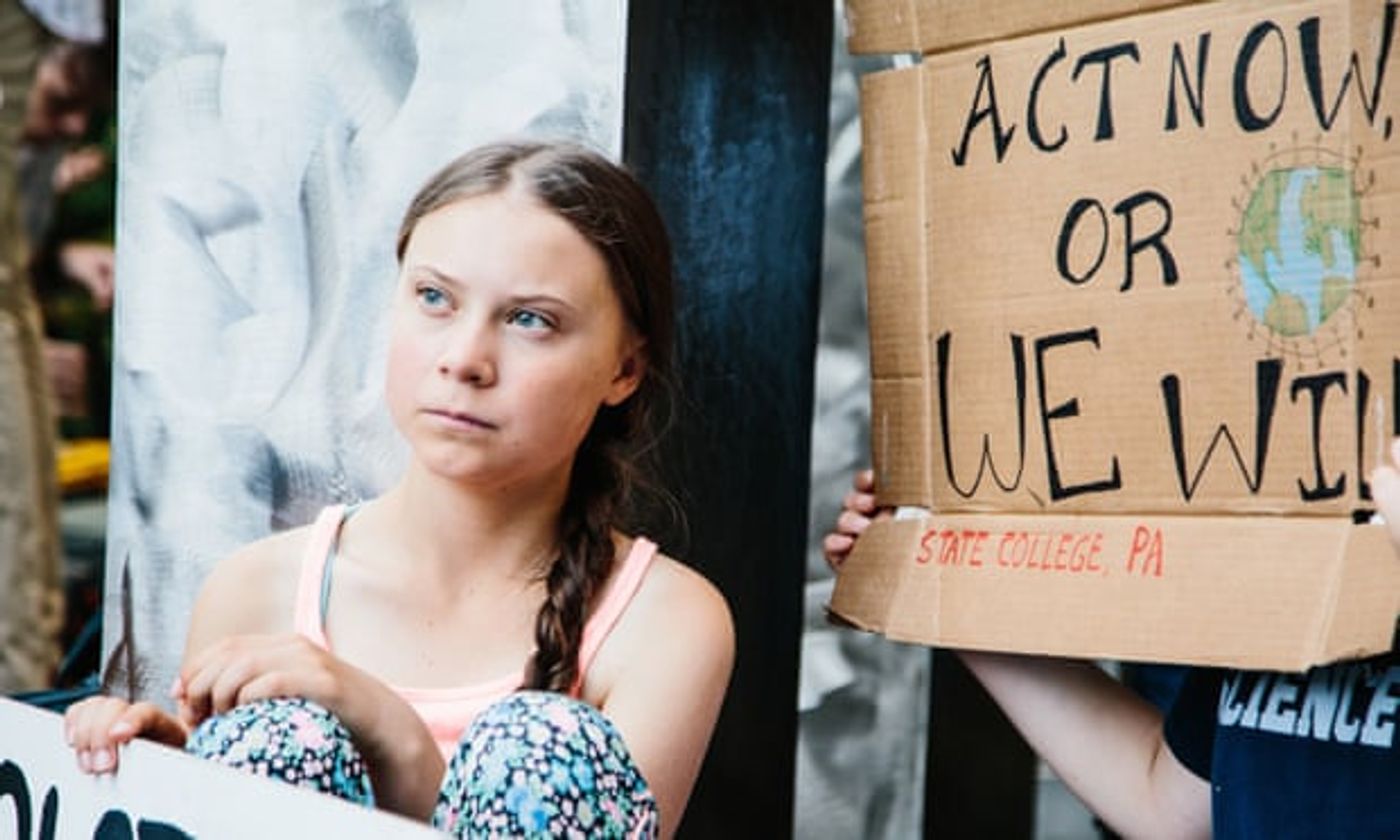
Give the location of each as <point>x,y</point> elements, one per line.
<point>83,464</point>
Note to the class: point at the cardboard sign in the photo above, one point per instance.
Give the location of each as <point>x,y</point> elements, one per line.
<point>158,794</point>
<point>887,26</point>
<point>1142,271</point>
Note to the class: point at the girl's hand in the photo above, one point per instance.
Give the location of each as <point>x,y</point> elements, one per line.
<point>242,669</point>
<point>858,510</point>
<point>1385,489</point>
<point>96,727</point>
<point>404,763</point>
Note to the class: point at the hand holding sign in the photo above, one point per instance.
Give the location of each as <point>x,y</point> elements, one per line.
<point>857,511</point>
<point>98,726</point>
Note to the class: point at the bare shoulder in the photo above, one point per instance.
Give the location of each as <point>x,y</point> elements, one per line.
<point>673,592</point>
<point>262,570</point>
<point>252,590</point>
<point>676,616</point>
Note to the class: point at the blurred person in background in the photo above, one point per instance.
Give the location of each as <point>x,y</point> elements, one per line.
<point>73,268</point>
<point>68,192</point>
<point>47,88</point>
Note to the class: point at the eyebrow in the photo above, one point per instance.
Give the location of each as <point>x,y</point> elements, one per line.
<point>458,284</point>
<point>427,269</point>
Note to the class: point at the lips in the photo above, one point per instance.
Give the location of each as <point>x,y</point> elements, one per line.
<point>460,419</point>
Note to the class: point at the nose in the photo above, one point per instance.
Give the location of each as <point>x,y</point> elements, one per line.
<point>469,355</point>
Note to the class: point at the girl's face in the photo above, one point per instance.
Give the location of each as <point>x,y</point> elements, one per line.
<point>506,339</point>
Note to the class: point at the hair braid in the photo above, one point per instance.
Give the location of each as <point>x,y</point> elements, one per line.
<point>585,561</point>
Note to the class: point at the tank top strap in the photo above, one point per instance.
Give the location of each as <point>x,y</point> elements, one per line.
<point>307,617</point>
<point>614,603</point>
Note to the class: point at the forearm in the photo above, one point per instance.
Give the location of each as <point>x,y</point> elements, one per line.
<point>404,764</point>
<point>1105,742</point>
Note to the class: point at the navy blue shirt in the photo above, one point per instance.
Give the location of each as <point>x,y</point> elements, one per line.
<point>1295,755</point>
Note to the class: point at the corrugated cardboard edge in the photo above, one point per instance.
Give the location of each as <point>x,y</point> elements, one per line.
<point>867,585</point>
<point>1367,591</point>
<point>892,128</point>
<point>882,26</point>
<point>925,26</point>
<point>1306,591</point>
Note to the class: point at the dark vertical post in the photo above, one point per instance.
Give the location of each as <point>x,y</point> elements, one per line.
<point>980,777</point>
<point>725,120</point>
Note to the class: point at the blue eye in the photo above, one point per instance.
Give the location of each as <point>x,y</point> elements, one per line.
<point>528,319</point>
<point>431,297</point>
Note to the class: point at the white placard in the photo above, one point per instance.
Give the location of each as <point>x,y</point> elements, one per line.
<point>159,794</point>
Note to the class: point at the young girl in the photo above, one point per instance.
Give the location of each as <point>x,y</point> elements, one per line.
<point>381,652</point>
<point>1241,754</point>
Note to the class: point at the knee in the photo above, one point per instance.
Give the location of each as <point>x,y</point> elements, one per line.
<point>541,722</point>
<point>538,762</point>
<point>290,739</point>
<point>546,708</point>
<point>268,728</point>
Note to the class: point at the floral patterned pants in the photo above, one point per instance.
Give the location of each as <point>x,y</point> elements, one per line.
<point>535,764</point>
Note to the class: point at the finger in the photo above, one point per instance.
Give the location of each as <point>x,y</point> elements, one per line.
<point>91,723</point>
<point>863,502</point>
<point>1395,452</point>
<point>75,718</point>
<point>201,660</point>
<point>194,700</point>
<point>199,701</point>
<point>75,721</point>
<point>852,523</point>
<point>225,648</point>
<point>199,675</point>
<point>93,746</point>
<point>223,695</point>
<point>192,709</point>
<point>865,481</point>
<point>148,721</point>
<point>836,547</point>
<point>305,670</point>
<point>186,715</point>
<point>263,687</point>
<point>103,760</point>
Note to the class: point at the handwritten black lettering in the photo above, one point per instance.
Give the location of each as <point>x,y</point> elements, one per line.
<point>1317,386</point>
<point>988,111</point>
<point>1268,372</point>
<point>1105,56</point>
<point>986,464</point>
<point>1248,118</point>
<point>1154,240</point>
<point>1312,71</point>
<point>1032,112</point>
<point>1067,409</point>
<point>1195,96</point>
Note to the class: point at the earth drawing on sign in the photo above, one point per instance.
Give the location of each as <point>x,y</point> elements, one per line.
<point>1298,246</point>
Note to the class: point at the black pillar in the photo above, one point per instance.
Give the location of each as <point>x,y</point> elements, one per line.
<point>726,119</point>
<point>980,777</point>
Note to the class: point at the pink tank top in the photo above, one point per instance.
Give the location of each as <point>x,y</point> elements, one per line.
<point>449,711</point>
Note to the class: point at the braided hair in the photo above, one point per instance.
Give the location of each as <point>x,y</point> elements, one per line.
<point>614,213</point>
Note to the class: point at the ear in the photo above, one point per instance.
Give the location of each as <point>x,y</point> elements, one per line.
<point>630,370</point>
